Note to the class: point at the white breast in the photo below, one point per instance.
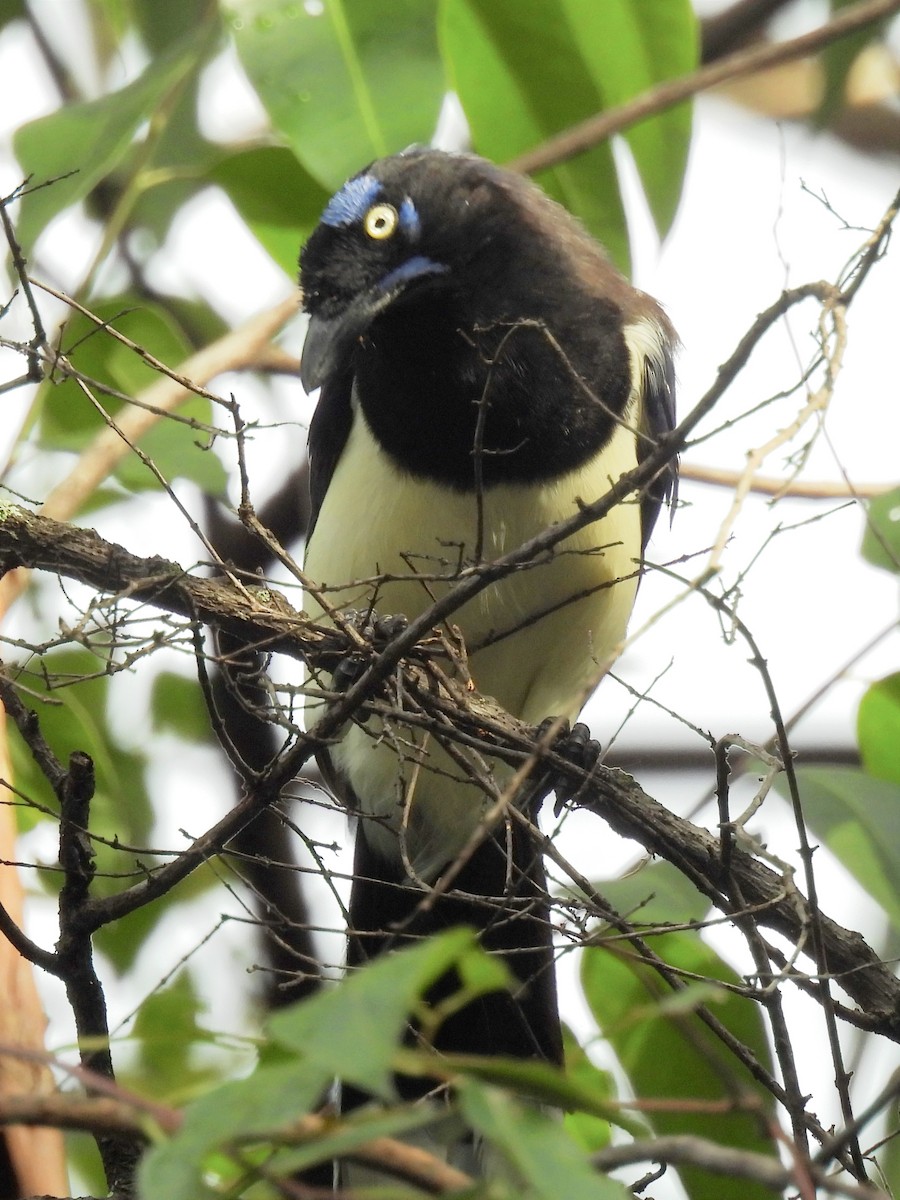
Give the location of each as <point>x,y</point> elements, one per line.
<point>561,620</point>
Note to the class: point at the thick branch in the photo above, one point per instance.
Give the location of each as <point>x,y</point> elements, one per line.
<point>253,614</point>
<point>29,540</point>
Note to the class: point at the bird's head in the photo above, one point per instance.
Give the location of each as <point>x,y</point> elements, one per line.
<point>417,221</point>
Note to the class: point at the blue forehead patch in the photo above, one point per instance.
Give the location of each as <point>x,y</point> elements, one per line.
<point>352,201</point>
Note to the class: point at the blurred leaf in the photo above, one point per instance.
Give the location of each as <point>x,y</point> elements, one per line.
<point>881,539</point>
<point>345,82</point>
<point>110,21</point>
<point>196,322</point>
<point>664,38</point>
<point>656,893</point>
<point>10,10</point>
<point>838,58</point>
<point>358,1128</point>
<point>163,22</point>
<point>858,817</point>
<point>260,1104</point>
<point>277,198</point>
<point>68,420</point>
<point>589,1131</point>
<point>89,139</point>
<point>878,729</point>
<point>177,705</point>
<point>166,1029</point>
<point>673,1056</point>
<point>525,72</point>
<point>78,719</point>
<point>888,1156</point>
<point>83,1160</point>
<point>529,1078</point>
<point>536,1146</point>
<point>353,1031</point>
<point>179,154</point>
<point>178,452</point>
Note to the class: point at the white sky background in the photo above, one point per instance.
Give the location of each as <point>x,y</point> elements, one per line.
<point>746,229</point>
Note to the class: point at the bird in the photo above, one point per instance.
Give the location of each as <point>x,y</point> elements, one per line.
<point>484,371</point>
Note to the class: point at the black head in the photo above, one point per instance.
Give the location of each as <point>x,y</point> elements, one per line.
<point>427,220</point>
<point>419,269</point>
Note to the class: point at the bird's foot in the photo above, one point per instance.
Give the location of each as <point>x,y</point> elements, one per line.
<point>576,746</point>
<point>378,632</point>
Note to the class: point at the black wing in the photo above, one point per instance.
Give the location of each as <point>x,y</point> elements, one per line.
<point>328,433</point>
<point>657,420</point>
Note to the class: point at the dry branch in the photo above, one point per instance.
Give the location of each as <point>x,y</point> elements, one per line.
<point>38,543</point>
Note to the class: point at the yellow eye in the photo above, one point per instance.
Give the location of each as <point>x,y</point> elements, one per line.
<point>380,221</point>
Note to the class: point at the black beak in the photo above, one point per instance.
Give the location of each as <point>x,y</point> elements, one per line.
<point>330,340</point>
<point>321,349</point>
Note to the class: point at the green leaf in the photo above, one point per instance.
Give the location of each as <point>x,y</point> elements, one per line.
<point>529,1078</point>
<point>838,58</point>
<point>68,419</point>
<point>86,141</point>
<point>75,716</point>
<point>858,817</point>
<point>656,893</point>
<point>878,729</point>
<point>881,540</point>
<point>664,39</point>
<point>353,1031</point>
<point>163,22</point>
<point>673,1056</point>
<point>525,72</point>
<point>547,1160</point>
<point>344,82</point>
<point>177,452</point>
<point>10,10</point>
<point>269,1098</point>
<point>889,1157</point>
<point>589,1131</point>
<point>166,1029</point>
<point>279,200</point>
<point>177,705</point>
<point>353,1131</point>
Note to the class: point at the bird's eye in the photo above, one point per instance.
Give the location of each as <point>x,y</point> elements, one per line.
<point>380,221</point>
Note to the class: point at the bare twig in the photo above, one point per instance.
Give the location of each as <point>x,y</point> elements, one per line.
<point>771,485</point>
<point>738,1164</point>
<point>596,129</point>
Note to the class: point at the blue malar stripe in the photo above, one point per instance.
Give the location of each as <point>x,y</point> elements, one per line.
<point>413,268</point>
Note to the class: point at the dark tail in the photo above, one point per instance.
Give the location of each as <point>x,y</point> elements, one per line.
<point>500,892</point>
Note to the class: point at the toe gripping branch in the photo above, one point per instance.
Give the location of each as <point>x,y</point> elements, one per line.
<point>378,633</point>
<point>576,746</point>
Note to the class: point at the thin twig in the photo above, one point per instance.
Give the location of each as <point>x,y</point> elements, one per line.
<point>590,132</point>
<point>771,485</point>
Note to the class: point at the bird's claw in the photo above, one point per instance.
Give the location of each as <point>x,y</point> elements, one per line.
<point>578,747</point>
<point>378,632</point>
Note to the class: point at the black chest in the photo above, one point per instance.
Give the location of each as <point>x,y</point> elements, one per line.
<point>469,401</point>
